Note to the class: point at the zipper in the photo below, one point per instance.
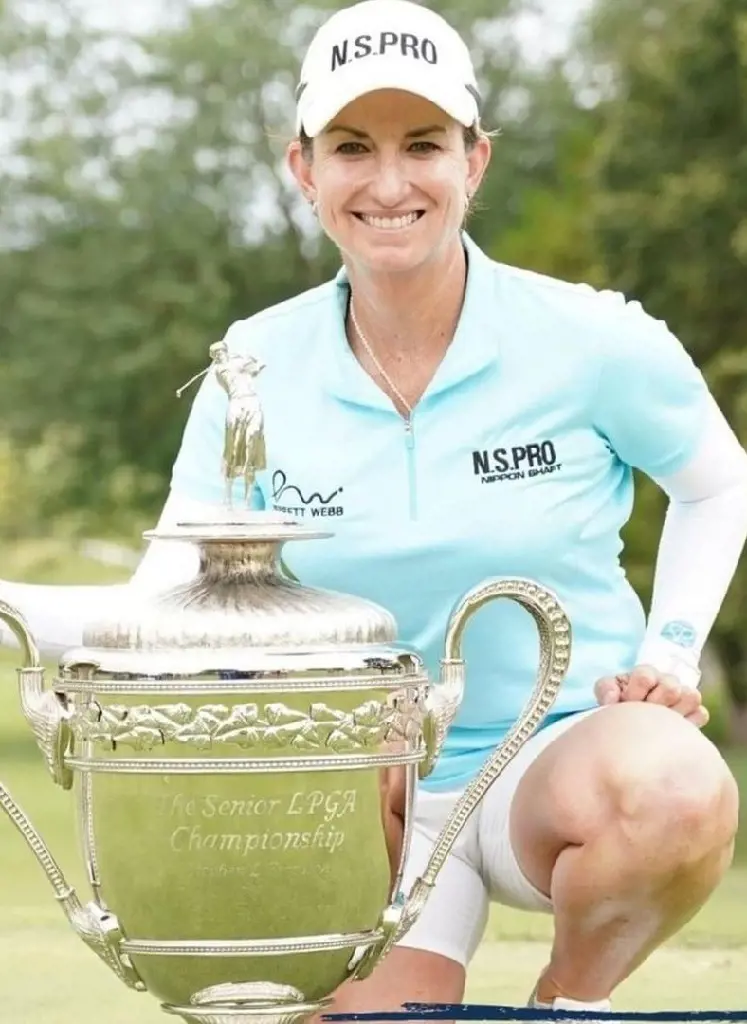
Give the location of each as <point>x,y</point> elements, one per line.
<point>410,457</point>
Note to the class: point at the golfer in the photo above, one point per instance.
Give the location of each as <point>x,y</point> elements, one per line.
<point>452,418</point>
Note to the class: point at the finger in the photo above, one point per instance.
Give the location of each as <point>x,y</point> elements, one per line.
<point>640,682</point>
<point>607,690</point>
<point>689,702</point>
<point>668,692</point>
<point>700,717</point>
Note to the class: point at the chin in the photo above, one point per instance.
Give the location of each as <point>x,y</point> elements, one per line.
<point>392,259</point>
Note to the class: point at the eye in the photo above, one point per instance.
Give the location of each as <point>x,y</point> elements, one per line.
<point>351,148</point>
<point>425,146</point>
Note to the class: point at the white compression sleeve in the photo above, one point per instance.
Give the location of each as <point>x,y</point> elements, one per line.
<point>703,537</point>
<point>58,614</point>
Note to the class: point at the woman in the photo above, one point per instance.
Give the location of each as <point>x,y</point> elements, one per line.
<point>462,419</point>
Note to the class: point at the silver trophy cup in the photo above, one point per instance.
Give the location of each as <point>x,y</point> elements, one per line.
<point>244,752</point>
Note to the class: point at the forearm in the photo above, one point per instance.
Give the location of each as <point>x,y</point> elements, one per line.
<point>58,615</point>
<point>701,544</point>
<point>700,548</point>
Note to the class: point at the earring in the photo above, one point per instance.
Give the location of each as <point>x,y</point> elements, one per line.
<point>314,207</point>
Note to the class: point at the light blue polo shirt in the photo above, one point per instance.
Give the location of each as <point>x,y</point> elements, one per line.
<point>518,463</point>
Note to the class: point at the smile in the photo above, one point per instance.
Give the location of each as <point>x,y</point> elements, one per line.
<point>391,223</point>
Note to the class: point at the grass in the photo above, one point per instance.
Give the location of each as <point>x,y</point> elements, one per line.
<point>47,976</point>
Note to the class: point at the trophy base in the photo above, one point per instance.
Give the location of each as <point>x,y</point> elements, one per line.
<point>255,1003</point>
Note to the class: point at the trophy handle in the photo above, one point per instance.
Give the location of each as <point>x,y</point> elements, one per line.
<point>97,927</point>
<point>43,709</point>
<point>444,700</point>
<point>48,719</point>
<point>554,630</point>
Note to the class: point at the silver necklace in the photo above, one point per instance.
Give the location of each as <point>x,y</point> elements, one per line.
<point>377,364</point>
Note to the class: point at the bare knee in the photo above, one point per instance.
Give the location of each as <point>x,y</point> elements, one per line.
<point>672,789</point>
<point>639,769</point>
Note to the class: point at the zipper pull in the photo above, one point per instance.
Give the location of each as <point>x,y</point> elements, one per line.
<point>409,436</point>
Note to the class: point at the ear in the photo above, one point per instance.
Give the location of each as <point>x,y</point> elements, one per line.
<point>477,163</point>
<point>301,170</point>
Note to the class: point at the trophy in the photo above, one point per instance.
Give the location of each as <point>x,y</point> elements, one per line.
<point>244,752</point>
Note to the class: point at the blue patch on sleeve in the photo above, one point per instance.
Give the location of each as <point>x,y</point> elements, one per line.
<point>680,633</point>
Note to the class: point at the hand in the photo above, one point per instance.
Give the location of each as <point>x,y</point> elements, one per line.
<point>646,683</point>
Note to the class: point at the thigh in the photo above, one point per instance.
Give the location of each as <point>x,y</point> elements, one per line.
<point>501,866</point>
<point>455,914</point>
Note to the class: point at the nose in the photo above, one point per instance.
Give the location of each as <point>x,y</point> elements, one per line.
<point>391,184</point>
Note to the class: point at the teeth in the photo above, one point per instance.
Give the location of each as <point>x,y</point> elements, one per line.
<point>390,223</point>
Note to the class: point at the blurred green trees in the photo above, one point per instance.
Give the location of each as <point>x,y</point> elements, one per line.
<point>144,206</point>
<point>669,210</point>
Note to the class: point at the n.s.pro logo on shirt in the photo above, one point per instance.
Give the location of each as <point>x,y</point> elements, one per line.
<point>289,498</point>
<point>519,462</point>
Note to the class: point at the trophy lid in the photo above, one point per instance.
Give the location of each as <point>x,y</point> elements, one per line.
<point>241,606</point>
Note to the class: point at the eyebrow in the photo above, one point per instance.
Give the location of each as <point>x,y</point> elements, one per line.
<point>415,133</point>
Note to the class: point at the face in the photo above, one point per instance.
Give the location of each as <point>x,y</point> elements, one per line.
<point>391,175</point>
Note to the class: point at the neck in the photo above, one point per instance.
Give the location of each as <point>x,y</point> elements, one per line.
<point>415,312</point>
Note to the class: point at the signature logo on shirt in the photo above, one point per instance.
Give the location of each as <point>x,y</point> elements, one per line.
<point>291,499</point>
<point>520,462</point>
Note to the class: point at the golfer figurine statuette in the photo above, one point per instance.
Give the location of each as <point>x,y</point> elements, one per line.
<point>244,449</point>
<point>244,751</point>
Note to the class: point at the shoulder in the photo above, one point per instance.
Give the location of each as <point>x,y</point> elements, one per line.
<point>286,323</point>
<point>603,325</point>
<point>604,313</point>
<point>592,314</point>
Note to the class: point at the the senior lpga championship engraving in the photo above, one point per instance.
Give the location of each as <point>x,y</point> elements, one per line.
<point>243,751</point>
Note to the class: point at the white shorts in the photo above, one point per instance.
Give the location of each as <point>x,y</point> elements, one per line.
<point>482,866</point>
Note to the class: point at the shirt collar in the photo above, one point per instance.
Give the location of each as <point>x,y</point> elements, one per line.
<point>473,349</point>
